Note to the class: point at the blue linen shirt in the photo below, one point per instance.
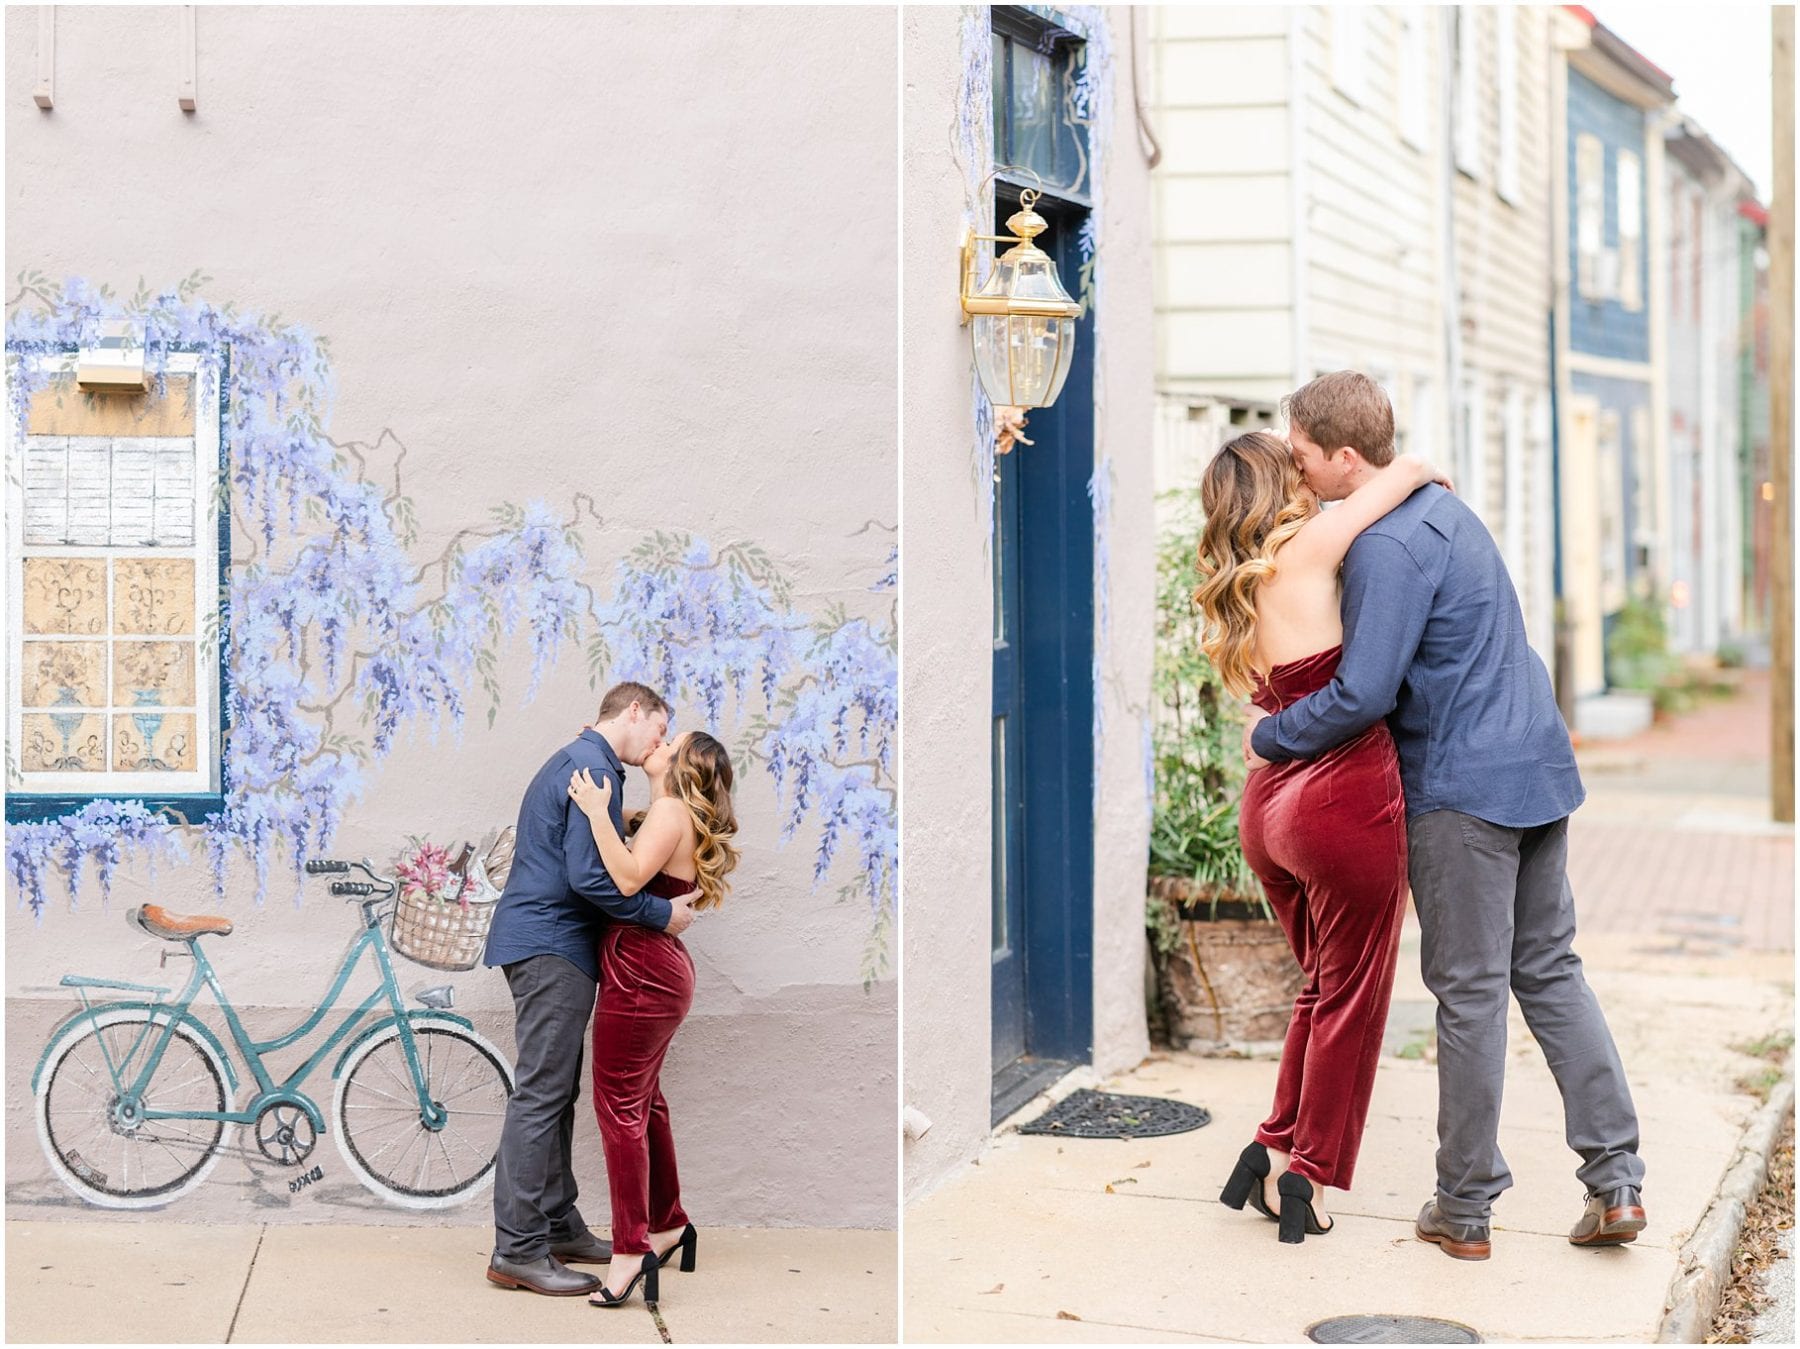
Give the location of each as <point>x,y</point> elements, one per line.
<point>1434,641</point>
<point>559,897</point>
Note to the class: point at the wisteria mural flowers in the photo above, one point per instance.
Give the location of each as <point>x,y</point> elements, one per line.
<point>338,640</point>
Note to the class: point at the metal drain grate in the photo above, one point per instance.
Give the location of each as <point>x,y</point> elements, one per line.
<point>1099,1114</point>
<point>1390,1330</point>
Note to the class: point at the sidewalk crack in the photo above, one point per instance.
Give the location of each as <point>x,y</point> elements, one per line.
<point>244,1291</point>
<point>661,1328</point>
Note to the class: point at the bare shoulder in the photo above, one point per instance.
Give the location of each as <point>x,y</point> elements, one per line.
<point>672,810</point>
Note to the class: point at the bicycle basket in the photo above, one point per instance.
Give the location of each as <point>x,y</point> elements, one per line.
<point>447,935</point>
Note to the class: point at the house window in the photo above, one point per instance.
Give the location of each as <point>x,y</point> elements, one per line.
<point>1471,472</point>
<point>1421,435</point>
<point>1506,75</point>
<point>1414,64</point>
<point>1512,431</point>
<point>1468,92</point>
<point>1349,51</point>
<point>114,548</point>
<point>1037,122</point>
<point>1631,231</point>
<point>1677,242</point>
<point>1699,261</point>
<point>1590,216</point>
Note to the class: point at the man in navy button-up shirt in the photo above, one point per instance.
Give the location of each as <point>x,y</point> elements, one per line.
<point>1434,641</point>
<point>545,936</point>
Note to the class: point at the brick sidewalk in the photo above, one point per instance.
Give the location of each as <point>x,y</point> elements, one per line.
<point>1675,842</point>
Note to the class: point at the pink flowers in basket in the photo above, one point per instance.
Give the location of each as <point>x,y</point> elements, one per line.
<point>423,871</point>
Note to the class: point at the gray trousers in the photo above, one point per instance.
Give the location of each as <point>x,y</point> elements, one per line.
<point>534,1180</point>
<point>1496,915</point>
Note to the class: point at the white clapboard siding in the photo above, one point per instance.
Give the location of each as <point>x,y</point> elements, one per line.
<point>1372,280</point>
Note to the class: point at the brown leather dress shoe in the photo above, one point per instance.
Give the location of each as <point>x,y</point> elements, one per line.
<point>1462,1241</point>
<point>1611,1218</point>
<point>546,1275</point>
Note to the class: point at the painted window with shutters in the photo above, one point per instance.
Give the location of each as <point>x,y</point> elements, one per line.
<point>1506,79</point>
<point>1590,215</point>
<point>1631,230</point>
<point>1468,91</point>
<point>115,550</point>
<point>1414,63</point>
<point>1349,51</point>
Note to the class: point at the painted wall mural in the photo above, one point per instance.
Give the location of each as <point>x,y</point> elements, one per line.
<point>337,638</point>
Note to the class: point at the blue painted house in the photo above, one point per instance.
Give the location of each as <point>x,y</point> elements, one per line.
<point>1610,357</point>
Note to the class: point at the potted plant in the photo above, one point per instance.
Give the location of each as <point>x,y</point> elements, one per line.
<point>1223,971</point>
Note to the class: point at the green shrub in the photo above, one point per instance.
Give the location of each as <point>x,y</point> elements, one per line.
<point>1198,738</point>
<point>1637,649</point>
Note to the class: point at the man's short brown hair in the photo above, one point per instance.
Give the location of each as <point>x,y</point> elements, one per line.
<point>1345,407</point>
<point>621,696</point>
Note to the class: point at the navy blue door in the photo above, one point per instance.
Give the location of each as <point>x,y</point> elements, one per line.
<point>1008,863</point>
<point>1043,718</point>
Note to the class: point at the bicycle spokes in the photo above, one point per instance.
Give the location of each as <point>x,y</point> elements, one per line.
<point>424,1154</point>
<point>112,1143</point>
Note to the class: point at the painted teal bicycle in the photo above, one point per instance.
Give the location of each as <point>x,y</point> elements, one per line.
<point>133,1097</point>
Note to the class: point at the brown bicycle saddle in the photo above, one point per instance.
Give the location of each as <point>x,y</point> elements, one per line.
<point>159,922</point>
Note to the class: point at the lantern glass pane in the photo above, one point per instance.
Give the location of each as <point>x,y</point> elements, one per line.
<point>1034,278</point>
<point>1065,355</point>
<point>989,332</point>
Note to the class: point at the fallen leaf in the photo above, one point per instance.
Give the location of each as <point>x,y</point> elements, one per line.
<point>995,1289</point>
<point>1140,1166</point>
<point>1110,1190</point>
<point>1067,1316</point>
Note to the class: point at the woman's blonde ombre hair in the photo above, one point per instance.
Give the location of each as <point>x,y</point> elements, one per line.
<point>700,777</point>
<point>1254,501</point>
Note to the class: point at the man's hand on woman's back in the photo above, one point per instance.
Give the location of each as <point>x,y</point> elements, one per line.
<point>681,915</point>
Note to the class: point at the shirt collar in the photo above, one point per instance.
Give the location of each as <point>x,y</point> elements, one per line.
<point>594,737</point>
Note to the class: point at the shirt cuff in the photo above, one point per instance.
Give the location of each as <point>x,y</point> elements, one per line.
<point>659,913</point>
<point>1263,740</point>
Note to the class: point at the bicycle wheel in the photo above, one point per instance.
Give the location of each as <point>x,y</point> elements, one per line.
<point>383,1138</point>
<point>97,1149</point>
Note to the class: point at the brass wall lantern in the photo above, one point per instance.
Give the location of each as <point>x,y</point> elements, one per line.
<point>1022,320</point>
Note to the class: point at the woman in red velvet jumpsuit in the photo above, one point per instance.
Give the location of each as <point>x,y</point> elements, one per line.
<point>682,849</point>
<point>1326,837</point>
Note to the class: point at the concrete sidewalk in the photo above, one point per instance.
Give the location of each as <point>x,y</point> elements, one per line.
<point>99,1280</point>
<point>1071,1240</point>
<point>1685,894</point>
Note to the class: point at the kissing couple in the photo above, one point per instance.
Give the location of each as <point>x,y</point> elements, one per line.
<point>1404,732</point>
<point>590,923</point>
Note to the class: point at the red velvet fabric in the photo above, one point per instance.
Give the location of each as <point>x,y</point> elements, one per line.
<point>1327,838</point>
<point>646,987</point>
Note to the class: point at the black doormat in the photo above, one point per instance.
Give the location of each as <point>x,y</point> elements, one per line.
<point>1390,1330</point>
<point>1099,1114</point>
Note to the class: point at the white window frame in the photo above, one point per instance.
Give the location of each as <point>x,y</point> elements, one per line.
<point>1512,449</point>
<point>1350,51</point>
<point>1506,78</point>
<point>1590,215</point>
<point>1468,91</point>
<point>1628,171</point>
<point>1471,446</point>
<point>205,780</point>
<point>1413,63</point>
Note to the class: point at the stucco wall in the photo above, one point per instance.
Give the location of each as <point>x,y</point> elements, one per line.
<point>556,252</point>
<point>948,658</point>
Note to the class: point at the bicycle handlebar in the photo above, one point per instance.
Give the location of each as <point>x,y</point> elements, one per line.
<point>352,888</point>
<point>319,866</point>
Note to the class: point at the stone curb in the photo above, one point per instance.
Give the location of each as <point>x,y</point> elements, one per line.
<point>1704,1268</point>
